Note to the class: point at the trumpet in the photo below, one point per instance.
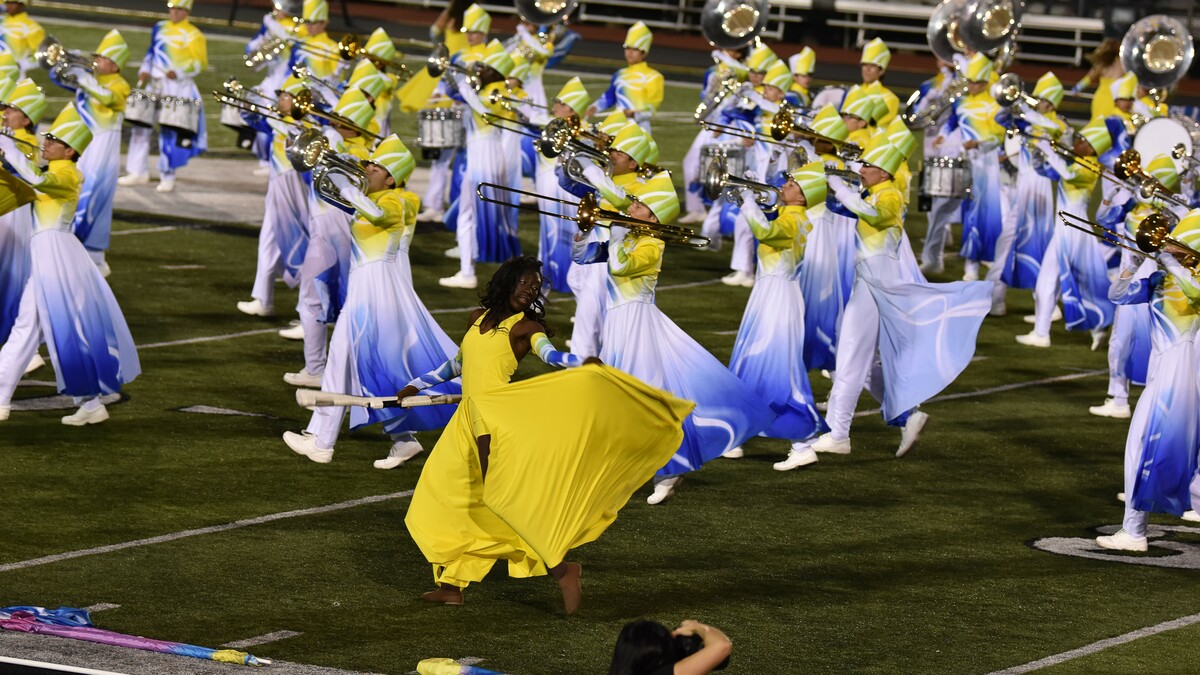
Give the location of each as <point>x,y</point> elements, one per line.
<point>1180,152</point>
<point>305,73</point>
<point>304,104</point>
<point>588,215</point>
<point>310,151</point>
<point>852,179</point>
<point>349,48</point>
<point>439,62</point>
<point>52,56</point>
<point>718,182</point>
<point>1128,167</point>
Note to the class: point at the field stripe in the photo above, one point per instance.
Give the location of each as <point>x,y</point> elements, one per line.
<point>144,230</point>
<point>262,639</point>
<point>1088,650</point>
<point>1003,387</point>
<point>101,607</point>
<point>237,524</point>
<point>208,338</point>
<point>55,667</point>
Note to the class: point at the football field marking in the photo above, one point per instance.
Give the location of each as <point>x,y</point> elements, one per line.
<point>1088,650</point>
<point>144,230</point>
<point>101,607</point>
<point>262,639</point>
<point>212,529</point>
<point>998,389</point>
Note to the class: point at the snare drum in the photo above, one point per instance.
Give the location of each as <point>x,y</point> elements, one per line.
<point>946,177</point>
<point>439,128</point>
<point>232,118</point>
<point>182,114</point>
<point>140,108</point>
<point>735,157</point>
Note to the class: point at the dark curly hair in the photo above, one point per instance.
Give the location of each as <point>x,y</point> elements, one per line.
<point>499,290</point>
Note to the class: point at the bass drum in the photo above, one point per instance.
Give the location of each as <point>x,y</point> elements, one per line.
<point>141,108</point>
<point>945,177</point>
<point>1161,136</point>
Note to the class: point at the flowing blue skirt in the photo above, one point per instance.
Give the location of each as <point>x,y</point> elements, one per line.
<point>1165,432</point>
<point>100,166</point>
<point>981,213</point>
<point>15,229</point>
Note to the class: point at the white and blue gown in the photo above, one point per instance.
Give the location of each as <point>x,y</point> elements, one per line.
<point>768,354</point>
<point>283,238</point>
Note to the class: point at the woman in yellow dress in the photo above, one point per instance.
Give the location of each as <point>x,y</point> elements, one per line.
<point>525,472</point>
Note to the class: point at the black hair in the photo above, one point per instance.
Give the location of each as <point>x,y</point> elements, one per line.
<point>642,647</point>
<point>496,296</point>
<point>487,74</point>
<point>456,10</point>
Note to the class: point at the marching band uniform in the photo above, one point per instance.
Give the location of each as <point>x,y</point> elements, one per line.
<point>876,53</point>
<point>768,354</point>
<point>802,64</point>
<point>1160,453</point>
<point>384,336</point>
<point>178,53</point>
<point>1129,343</point>
<point>1073,266</point>
<point>642,341</point>
<point>22,35</point>
<point>283,238</point>
<point>66,301</point>
<point>924,333</point>
<point>556,234</point>
<point>438,205</point>
<point>945,142</point>
<point>725,68</point>
<point>535,52</point>
<point>273,27</point>
<point>1033,201</point>
<point>325,271</point>
<point>319,53</point>
<point>637,88</point>
<point>486,232</point>
<point>100,100</point>
<point>16,226</point>
<point>1117,199</point>
<point>380,46</point>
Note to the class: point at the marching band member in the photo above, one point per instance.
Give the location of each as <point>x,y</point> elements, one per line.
<point>637,89</point>
<point>826,273</point>
<point>1033,200</point>
<point>380,46</point>
<point>100,100</point>
<point>1129,343</point>
<point>1149,107</point>
<point>642,341</point>
<point>476,24</point>
<point>526,471</point>
<point>556,234</point>
<point>528,43</point>
<point>449,28</point>
<point>178,53</point>
<point>22,104</point>
<point>875,59</point>
<point>283,238</point>
<point>384,336</point>
<point>373,83</point>
<point>862,107</point>
<point>944,212</point>
<point>801,64</point>
<point>1073,267</point>
<point>276,25</point>
<point>1116,199</point>
<point>727,68</point>
<point>1160,452</point>
<point>985,237</point>
<point>320,53</point>
<point>66,301</point>
<point>486,232</point>
<point>325,271</point>
<point>22,34</point>
<point>938,322</point>
<point>768,354</point>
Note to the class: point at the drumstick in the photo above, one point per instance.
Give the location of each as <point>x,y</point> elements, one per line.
<point>313,397</point>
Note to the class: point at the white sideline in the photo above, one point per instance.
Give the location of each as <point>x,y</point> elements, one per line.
<point>237,524</point>
<point>1088,650</point>
<point>58,668</point>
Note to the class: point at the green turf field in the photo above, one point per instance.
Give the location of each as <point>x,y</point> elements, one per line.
<point>862,563</point>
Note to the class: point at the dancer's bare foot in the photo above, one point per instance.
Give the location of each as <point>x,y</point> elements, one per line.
<point>445,594</point>
<point>567,575</point>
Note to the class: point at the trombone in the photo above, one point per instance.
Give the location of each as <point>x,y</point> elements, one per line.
<point>8,133</point>
<point>1128,167</point>
<point>305,73</point>
<point>439,62</point>
<point>246,105</point>
<point>785,124</point>
<point>496,98</point>
<point>588,215</point>
<point>1009,90</point>
<point>1152,234</point>
<point>349,48</point>
<point>1068,154</point>
<point>239,91</point>
<point>560,132</point>
<point>306,107</point>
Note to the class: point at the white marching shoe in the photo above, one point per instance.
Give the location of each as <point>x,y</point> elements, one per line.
<point>692,217</point>
<point>1122,541</point>
<point>1099,337</point>
<point>911,432</point>
<point>302,379</point>
<point>255,308</point>
<point>933,268</point>
<point>663,489</point>
<point>262,171</point>
<point>292,332</point>
<point>1121,497</point>
<point>1056,315</point>
<point>166,184</point>
<point>401,452</point>
<point>84,417</point>
<point>455,253</point>
<point>1110,409</point>
<point>459,280</point>
<point>734,453</point>
<point>129,180</point>
<point>306,444</point>
<point>1032,339</point>
<point>738,279</point>
<point>431,216</point>
<point>36,362</point>
<point>800,455</point>
<point>5,410</point>
<point>1191,516</point>
<point>826,443</point>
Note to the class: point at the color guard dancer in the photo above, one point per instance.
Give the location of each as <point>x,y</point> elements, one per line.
<point>66,301</point>
<point>178,53</point>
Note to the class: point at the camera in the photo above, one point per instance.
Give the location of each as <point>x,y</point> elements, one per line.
<point>686,645</point>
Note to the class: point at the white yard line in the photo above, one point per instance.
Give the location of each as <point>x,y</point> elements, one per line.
<point>55,667</point>
<point>209,338</point>
<point>1003,387</point>
<point>144,230</point>
<point>262,639</point>
<point>101,607</point>
<point>236,525</point>
<point>1088,650</point>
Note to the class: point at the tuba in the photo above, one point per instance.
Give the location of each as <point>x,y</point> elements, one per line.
<point>1158,49</point>
<point>733,24</point>
<point>310,151</point>
<point>543,12</point>
<point>989,25</point>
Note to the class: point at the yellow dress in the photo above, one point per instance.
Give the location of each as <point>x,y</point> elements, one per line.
<point>567,451</point>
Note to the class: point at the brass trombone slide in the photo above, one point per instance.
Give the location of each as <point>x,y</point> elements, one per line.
<point>350,48</point>
<point>1153,233</point>
<point>785,124</point>
<point>1128,167</point>
<point>305,105</point>
<point>1069,154</point>
<point>245,105</point>
<point>588,214</point>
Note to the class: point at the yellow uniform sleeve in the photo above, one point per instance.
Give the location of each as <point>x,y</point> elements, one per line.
<point>60,182</point>
<point>644,257</point>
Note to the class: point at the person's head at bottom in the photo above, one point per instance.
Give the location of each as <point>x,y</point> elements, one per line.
<point>650,648</point>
